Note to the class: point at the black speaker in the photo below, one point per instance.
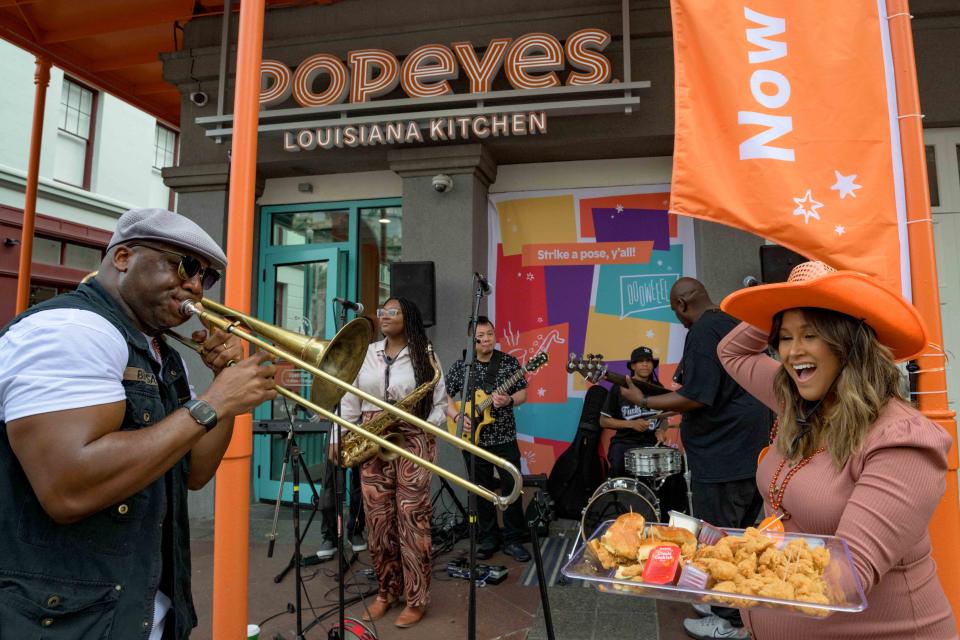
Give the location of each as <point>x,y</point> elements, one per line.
<point>416,282</point>
<point>776,262</point>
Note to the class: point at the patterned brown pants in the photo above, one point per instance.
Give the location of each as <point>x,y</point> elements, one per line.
<point>396,497</point>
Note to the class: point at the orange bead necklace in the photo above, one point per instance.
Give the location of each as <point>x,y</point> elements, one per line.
<point>775,493</point>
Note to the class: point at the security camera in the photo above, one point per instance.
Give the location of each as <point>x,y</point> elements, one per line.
<point>199,98</point>
<point>442,183</point>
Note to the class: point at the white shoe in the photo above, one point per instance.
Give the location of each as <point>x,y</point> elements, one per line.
<point>703,610</point>
<point>713,627</point>
<point>327,550</point>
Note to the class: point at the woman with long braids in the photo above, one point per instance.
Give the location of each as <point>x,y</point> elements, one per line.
<point>848,456</point>
<point>396,494</point>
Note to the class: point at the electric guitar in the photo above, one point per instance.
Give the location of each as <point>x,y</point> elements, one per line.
<point>484,401</point>
<point>593,368</point>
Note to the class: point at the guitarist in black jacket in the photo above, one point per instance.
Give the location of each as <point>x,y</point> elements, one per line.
<point>492,369</point>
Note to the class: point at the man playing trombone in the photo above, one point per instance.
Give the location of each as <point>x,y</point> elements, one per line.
<point>101,436</point>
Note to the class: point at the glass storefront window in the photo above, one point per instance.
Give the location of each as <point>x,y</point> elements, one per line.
<point>46,251</point>
<point>380,236</point>
<point>78,256</point>
<point>310,227</point>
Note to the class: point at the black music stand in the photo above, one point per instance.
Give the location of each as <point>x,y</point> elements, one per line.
<point>481,288</point>
<point>293,457</point>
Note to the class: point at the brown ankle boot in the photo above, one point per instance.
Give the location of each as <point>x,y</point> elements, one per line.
<point>377,610</point>
<point>410,616</point>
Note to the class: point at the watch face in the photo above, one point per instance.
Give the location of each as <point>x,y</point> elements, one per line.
<point>203,413</point>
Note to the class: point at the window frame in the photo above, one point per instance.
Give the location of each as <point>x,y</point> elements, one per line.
<point>91,138</point>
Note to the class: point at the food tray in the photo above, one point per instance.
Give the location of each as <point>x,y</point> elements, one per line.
<point>846,593</point>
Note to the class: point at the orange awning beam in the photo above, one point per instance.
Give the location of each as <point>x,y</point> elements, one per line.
<point>932,383</point>
<point>42,79</point>
<point>232,511</point>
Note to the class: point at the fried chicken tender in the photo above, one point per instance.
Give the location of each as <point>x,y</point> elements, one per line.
<point>772,558</point>
<point>777,588</point>
<point>821,558</point>
<point>607,560</point>
<point>747,566</point>
<point>629,572</point>
<point>715,551</point>
<point>719,570</point>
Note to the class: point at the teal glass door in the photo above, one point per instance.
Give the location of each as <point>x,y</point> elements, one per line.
<point>298,292</point>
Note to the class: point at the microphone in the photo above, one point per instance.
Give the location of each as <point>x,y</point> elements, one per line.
<point>482,281</point>
<point>356,307</point>
<point>750,281</point>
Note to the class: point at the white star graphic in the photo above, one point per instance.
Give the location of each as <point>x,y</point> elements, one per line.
<point>839,229</point>
<point>659,263</point>
<point>611,217</point>
<point>539,318</point>
<point>649,333</point>
<point>807,207</point>
<point>845,185</point>
<point>530,277</point>
<point>541,392</point>
<point>619,208</point>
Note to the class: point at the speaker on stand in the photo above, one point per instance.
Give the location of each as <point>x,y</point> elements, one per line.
<point>776,262</point>
<point>416,282</point>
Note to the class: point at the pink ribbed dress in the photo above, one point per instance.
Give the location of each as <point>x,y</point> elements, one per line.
<point>880,502</point>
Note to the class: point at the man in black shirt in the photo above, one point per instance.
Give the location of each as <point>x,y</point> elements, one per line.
<point>491,370</point>
<point>723,430</point>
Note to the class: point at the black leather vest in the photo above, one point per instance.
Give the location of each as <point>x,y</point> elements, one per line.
<point>96,579</point>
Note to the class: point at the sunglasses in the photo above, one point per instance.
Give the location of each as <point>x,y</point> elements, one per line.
<point>388,313</point>
<point>189,267</point>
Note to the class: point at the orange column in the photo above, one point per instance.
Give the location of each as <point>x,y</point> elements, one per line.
<point>945,525</point>
<point>42,79</point>
<point>232,512</point>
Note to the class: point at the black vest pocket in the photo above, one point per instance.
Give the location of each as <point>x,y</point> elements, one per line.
<point>35,606</point>
<point>113,531</point>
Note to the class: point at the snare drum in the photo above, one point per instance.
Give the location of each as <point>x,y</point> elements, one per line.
<point>652,462</point>
<point>617,496</point>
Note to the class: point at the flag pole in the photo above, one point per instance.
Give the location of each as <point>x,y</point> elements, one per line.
<point>932,382</point>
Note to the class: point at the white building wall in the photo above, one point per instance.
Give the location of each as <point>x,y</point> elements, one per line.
<point>122,172</point>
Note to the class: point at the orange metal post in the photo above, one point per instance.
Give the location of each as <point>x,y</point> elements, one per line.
<point>232,512</point>
<point>42,79</point>
<point>945,525</point>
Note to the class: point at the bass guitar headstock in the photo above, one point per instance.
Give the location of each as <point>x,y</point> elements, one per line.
<point>590,366</point>
<point>536,362</point>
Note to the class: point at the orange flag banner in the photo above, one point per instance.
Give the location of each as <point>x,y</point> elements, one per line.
<point>786,127</point>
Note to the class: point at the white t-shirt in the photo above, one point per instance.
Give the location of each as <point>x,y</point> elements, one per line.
<point>65,359</point>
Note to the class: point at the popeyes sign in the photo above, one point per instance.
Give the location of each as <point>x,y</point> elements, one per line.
<point>531,61</point>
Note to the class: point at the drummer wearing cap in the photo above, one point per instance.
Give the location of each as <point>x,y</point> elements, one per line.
<point>101,437</point>
<point>849,457</point>
<point>633,425</point>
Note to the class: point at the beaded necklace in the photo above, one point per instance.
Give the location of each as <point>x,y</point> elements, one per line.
<point>775,493</point>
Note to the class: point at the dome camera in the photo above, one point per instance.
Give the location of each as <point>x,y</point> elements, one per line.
<point>442,183</point>
<point>199,98</point>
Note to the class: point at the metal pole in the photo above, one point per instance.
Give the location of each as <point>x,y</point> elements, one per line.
<point>232,511</point>
<point>932,382</point>
<point>42,79</point>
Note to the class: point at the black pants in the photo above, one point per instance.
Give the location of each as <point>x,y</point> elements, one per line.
<point>734,504</point>
<point>673,491</point>
<point>514,526</point>
<point>328,506</point>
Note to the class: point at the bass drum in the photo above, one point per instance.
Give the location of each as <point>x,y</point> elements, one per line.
<point>617,496</point>
<point>355,630</point>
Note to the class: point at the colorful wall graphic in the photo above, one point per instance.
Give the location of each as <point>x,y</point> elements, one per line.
<point>586,270</point>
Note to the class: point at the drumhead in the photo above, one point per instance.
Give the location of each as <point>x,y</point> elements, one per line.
<point>355,630</point>
<point>617,496</point>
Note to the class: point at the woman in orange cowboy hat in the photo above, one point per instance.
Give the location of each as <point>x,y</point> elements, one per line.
<point>850,457</point>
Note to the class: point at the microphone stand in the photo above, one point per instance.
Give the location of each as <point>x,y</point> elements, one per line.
<point>336,633</point>
<point>480,290</point>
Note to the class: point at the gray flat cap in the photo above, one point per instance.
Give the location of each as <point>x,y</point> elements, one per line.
<point>169,228</point>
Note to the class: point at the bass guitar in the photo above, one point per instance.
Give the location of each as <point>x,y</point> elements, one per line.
<point>594,369</point>
<point>484,401</point>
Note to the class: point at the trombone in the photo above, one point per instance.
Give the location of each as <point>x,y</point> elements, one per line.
<point>312,354</point>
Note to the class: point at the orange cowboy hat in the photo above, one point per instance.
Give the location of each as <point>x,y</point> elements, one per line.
<point>897,323</point>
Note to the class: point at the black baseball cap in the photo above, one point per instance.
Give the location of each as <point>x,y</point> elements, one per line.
<point>643,353</point>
